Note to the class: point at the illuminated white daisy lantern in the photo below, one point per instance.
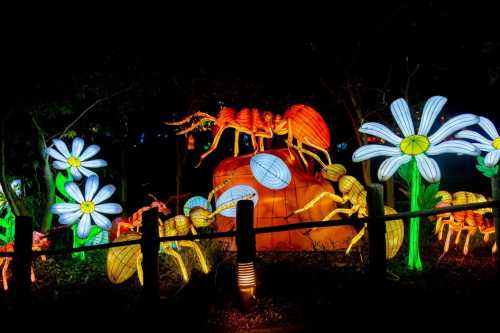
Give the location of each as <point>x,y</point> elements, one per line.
<point>88,207</point>
<point>416,148</point>
<point>488,164</point>
<point>78,161</point>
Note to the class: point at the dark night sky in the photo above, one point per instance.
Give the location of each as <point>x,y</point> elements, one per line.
<point>243,63</point>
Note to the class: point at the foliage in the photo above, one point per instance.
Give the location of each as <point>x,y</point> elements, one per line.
<point>485,170</point>
<point>405,173</point>
<point>427,198</point>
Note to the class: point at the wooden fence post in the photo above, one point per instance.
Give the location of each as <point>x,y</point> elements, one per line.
<point>245,242</point>
<point>150,247</point>
<point>21,261</point>
<point>495,192</point>
<point>376,233</point>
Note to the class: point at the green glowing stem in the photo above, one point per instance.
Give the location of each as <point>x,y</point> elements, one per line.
<point>414,262</point>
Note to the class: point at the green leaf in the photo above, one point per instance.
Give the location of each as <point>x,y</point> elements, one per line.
<point>60,181</point>
<point>405,173</point>
<point>485,170</point>
<point>428,196</point>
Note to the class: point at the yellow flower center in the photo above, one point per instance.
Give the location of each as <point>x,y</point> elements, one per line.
<point>414,145</point>
<point>74,162</point>
<point>496,143</point>
<point>87,207</point>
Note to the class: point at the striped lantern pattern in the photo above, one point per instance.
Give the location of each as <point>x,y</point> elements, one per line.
<point>246,275</point>
<point>270,171</point>
<point>235,193</point>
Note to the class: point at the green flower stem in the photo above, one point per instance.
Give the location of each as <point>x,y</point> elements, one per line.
<point>414,262</point>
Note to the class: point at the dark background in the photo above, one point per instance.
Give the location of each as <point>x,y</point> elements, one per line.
<point>174,62</point>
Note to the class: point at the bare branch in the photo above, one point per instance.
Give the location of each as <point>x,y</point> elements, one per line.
<point>87,110</point>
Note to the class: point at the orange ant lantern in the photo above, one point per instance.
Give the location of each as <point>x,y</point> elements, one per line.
<point>285,188</point>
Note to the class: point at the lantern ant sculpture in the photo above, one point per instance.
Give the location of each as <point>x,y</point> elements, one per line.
<point>40,242</point>
<point>123,262</point>
<point>299,121</point>
<point>470,220</point>
<point>354,193</point>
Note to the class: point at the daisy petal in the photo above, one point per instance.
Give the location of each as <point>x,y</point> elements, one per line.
<point>95,164</point>
<point>428,167</point>
<point>401,113</point>
<point>104,193</point>
<point>74,192</point>
<point>61,146</point>
<point>369,151</point>
<point>391,165</point>
<point>491,159</point>
<point>55,154</point>
<point>89,152</point>
<point>380,131</point>
<point>59,165</point>
<point>109,208</point>
<point>91,187</point>
<point>101,221</point>
<point>70,218</point>
<point>471,135</point>
<point>84,226</point>
<point>483,147</point>
<point>77,147</point>
<point>63,208</point>
<point>488,127</point>
<point>75,173</point>
<point>453,125</point>
<point>432,108</point>
<point>453,146</point>
<point>86,172</point>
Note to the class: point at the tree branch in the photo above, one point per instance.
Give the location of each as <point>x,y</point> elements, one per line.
<point>87,110</point>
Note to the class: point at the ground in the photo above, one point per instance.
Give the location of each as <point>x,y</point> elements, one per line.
<point>296,291</point>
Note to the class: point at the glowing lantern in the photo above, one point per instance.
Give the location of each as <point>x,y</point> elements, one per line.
<point>274,207</point>
<point>197,201</point>
<point>233,194</point>
<point>122,262</point>
<point>190,142</point>
<point>101,238</point>
<point>270,171</point>
<point>415,148</point>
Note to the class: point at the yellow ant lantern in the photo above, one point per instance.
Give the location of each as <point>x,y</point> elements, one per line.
<point>123,262</point>
<point>353,193</point>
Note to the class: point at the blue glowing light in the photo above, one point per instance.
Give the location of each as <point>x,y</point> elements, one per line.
<point>270,171</point>
<point>235,193</point>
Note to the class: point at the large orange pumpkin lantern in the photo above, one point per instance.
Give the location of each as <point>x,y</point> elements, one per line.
<point>281,186</point>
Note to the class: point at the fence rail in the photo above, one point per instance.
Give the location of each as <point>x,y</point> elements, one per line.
<point>245,239</point>
<point>355,221</point>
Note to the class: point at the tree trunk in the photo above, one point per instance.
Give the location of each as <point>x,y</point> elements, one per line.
<point>50,188</point>
<point>16,205</point>
<point>124,179</point>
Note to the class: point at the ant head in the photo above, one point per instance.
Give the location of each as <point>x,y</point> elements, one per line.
<point>200,217</point>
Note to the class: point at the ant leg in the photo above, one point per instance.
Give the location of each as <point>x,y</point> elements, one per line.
<point>448,237</point>
<point>180,263</point>
<point>140,273</point>
<point>347,211</point>
<point>314,201</point>
<point>301,154</point>
<point>467,240</point>
<point>213,146</point>
<point>236,142</point>
<point>188,118</point>
<point>254,143</point>
<point>199,253</point>
<point>4,274</point>
<point>192,127</point>
<point>33,278</point>
<point>355,239</point>
<point>261,143</point>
